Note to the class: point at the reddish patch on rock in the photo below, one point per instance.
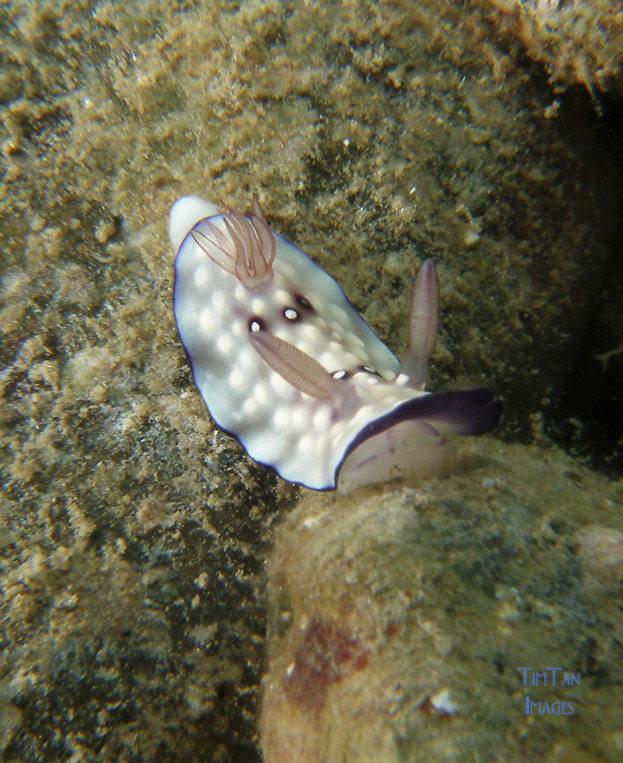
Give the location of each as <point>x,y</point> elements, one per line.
<point>325,655</point>
<point>391,629</point>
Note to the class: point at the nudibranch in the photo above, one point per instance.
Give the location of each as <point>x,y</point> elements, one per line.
<point>286,365</point>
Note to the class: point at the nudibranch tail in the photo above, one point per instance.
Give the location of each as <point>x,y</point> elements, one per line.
<point>423,324</point>
<point>462,411</point>
<point>246,250</point>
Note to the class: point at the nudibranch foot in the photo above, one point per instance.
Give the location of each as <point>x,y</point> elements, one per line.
<point>411,440</point>
<point>409,449</point>
<point>287,366</point>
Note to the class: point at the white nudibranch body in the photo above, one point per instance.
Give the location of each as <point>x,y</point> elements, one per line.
<point>288,367</point>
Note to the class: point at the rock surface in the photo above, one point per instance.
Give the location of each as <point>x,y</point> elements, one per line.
<point>133,535</point>
<point>579,42</point>
<point>400,618</point>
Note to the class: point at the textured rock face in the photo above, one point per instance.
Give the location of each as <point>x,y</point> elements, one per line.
<point>411,623</point>
<point>577,41</point>
<point>133,534</point>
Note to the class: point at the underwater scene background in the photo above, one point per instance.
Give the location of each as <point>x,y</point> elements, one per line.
<point>165,598</point>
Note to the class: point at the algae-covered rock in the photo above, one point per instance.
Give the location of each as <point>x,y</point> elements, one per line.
<point>435,623</point>
<point>580,41</point>
<point>133,534</point>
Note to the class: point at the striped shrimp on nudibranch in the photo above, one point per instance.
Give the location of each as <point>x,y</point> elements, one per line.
<point>287,366</point>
